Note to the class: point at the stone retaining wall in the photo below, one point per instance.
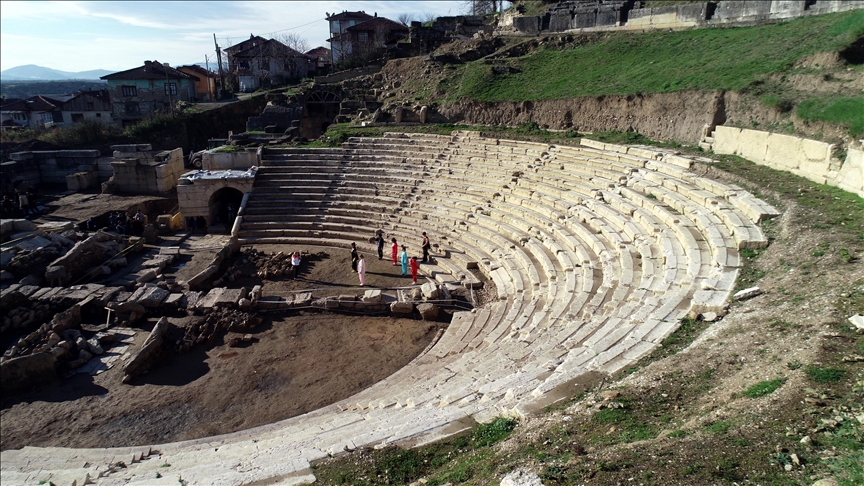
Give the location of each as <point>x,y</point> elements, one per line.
<point>215,160</point>
<point>589,16</point>
<point>810,159</point>
<point>139,170</point>
<point>49,166</point>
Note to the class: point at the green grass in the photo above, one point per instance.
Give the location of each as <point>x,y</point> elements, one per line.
<point>488,434</point>
<point>718,427</point>
<point>658,62</point>
<point>842,111</point>
<point>824,375</point>
<point>454,460</point>
<point>849,470</point>
<point>764,388</point>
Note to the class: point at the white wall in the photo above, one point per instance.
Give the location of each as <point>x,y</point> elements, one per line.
<point>807,158</point>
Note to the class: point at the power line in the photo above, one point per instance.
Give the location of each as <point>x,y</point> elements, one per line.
<point>228,43</point>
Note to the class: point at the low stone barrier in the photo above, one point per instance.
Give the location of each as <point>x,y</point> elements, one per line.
<point>810,159</point>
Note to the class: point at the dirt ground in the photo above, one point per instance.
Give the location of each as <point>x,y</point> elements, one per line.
<point>298,361</point>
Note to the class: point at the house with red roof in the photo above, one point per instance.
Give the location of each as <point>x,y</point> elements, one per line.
<point>146,90</point>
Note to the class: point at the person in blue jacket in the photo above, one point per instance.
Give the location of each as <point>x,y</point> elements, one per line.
<point>404,260</point>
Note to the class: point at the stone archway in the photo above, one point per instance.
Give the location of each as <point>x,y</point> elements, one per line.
<point>320,109</point>
<point>223,205</point>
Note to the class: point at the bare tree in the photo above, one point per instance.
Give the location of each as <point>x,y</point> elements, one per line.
<point>406,19</point>
<point>289,54</point>
<point>483,7</point>
<point>294,41</point>
<point>429,17</point>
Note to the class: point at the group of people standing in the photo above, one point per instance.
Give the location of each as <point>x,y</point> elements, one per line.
<point>358,263</point>
<point>127,224</point>
<point>21,205</point>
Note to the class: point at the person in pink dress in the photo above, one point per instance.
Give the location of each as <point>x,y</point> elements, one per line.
<point>361,270</point>
<point>394,252</point>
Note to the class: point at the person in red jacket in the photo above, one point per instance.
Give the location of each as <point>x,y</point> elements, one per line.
<point>415,266</point>
<point>394,252</point>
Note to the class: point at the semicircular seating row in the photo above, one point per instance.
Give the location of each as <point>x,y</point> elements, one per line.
<point>595,251</point>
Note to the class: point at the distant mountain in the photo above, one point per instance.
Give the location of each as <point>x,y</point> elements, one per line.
<point>32,72</point>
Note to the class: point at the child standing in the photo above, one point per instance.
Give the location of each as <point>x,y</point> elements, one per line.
<point>415,266</point>
<point>404,260</point>
<point>361,270</point>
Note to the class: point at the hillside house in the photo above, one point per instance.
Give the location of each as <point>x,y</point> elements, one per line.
<point>322,60</point>
<point>258,62</point>
<point>34,112</point>
<point>43,112</point>
<point>86,105</point>
<point>206,86</point>
<point>358,35</point>
<point>145,90</point>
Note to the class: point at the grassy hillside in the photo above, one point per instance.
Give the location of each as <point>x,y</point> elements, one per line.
<point>621,63</point>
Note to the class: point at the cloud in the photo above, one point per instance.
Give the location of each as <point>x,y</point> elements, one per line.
<point>77,36</point>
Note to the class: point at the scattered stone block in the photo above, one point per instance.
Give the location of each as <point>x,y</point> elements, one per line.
<point>148,351</point>
<point>371,297</point>
<point>302,299</point>
<point>857,321</point>
<point>230,297</point>
<point>347,301</point>
<point>402,307</point>
<point>27,371</point>
<point>150,297</point>
<point>521,478</point>
<point>209,300</point>
<point>429,290</point>
<point>428,311</point>
<point>747,294</point>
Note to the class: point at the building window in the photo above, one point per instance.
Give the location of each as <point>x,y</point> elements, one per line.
<point>363,37</point>
<point>171,89</point>
<point>130,91</point>
<point>47,117</point>
<point>244,65</point>
<point>98,115</point>
<point>90,106</point>
<point>262,64</point>
<point>77,117</point>
<point>132,108</point>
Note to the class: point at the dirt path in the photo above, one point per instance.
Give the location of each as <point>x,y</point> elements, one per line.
<point>298,362</point>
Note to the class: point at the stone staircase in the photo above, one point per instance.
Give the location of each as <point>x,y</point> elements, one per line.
<point>595,251</point>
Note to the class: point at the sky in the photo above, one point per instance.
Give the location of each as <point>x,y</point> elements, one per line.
<point>81,36</point>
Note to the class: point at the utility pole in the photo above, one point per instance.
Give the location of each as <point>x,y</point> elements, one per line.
<point>209,88</point>
<point>219,60</point>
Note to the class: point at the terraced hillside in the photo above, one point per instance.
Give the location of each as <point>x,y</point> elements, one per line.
<point>803,76</point>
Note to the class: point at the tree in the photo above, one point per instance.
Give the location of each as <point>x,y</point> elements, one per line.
<point>293,62</point>
<point>406,19</point>
<point>294,41</point>
<point>483,7</point>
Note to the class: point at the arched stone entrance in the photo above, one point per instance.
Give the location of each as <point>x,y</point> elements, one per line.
<point>206,194</point>
<point>223,206</point>
<point>320,109</point>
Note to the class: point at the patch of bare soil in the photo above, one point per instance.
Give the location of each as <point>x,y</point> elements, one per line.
<point>81,206</point>
<point>296,362</point>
